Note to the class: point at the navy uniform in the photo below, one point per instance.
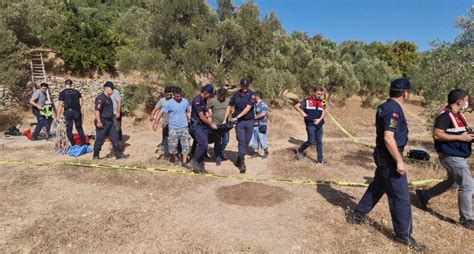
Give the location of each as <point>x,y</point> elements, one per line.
<point>390,117</point>
<point>199,129</point>
<point>104,104</point>
<point>245,123</point>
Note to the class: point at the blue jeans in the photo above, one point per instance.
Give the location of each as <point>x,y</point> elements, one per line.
<point>259,140</point>
<point>315,136</point>
<point>43,122</point>
<point>220,145</point>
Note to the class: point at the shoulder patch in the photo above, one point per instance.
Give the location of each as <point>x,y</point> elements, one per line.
<point>393,122</point>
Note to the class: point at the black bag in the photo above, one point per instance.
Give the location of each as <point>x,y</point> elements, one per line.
<point>419,154</point>
<point>12,131</point>
<point>262,129</point>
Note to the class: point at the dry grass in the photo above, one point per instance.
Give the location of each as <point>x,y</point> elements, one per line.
<point>76,210</point>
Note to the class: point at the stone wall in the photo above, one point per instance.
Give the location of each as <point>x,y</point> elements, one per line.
<point>6,99</point>
<point>89,89</point>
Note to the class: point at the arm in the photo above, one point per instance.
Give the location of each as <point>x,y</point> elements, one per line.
<point>391,144</point>
<point>441,135</point>
<point>243,113</point>
<point>227,113</point>
<point>158,117</point>
<point>97,119</point>
<point>261,115</point>
<point>154,113</point>
<point>119,108</point>
<point>317,121</point>
<point>206,120</point>
<point>298,108</point>
<point>34,104</point>
<point>188,114</point>
<point>61,108</point>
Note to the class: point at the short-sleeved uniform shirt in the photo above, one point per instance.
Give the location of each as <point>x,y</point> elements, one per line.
<point>240,102</point>
<point>259,108</point>
<point>116,97</point>
<point>390,117</point>
<point>177,113</point>
<point>218,109</point>
<point>71,98</point>
<point>313,108</point>
<point>159,105</point>
<point>104,105</point>
<point>39,97</point>
<point>199,105</point>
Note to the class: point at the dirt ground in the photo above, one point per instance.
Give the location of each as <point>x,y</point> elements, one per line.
<point>77,210</point>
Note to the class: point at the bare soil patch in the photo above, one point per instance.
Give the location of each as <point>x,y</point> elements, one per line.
<point>252,194</point>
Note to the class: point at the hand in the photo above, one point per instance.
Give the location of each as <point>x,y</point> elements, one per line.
<point>466,137</point>
<point>224,122</point>
<point>213,126</point>
<point>316,121</point>
<point>304,115</point>
<point>99,125</point>
<point>401,169</point>
<point>117,115</point>
<point>39,107</point>
<point>234,119</point>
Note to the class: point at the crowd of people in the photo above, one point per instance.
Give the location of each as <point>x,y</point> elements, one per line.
<point>212,114</point>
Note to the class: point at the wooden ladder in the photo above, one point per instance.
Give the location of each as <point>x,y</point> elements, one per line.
<point>38,73</point>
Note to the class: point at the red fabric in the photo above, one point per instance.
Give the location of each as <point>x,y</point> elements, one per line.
<point>77,139</point>
<point>28,134</point>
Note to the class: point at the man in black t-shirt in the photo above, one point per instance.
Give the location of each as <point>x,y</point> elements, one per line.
<point>70,101</point>
<point>453,144</point>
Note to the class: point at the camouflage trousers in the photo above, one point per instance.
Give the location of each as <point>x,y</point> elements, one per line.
<point>178,136</point>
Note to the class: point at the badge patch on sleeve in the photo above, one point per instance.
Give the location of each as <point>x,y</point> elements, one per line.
<point>394,120</point>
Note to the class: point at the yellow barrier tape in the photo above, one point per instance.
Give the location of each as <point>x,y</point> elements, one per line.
<point>188,172</point>
<point>355,140</point>
<point>348,134</point>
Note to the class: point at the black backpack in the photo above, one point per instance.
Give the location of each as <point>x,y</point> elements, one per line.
<point>12,131</point>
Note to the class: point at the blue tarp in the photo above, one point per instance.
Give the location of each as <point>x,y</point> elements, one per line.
<point>77,151</point>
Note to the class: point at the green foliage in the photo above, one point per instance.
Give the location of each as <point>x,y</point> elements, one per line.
<point>85,42</point>
<point>399,55</point>
<point>187,43</point>
<point>133,96</point>
<point>29,21</point>
<point>14,72</point>
<point>374,76</point>
<point>447,66</point>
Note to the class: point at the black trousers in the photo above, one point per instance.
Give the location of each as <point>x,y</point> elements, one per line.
<point>74,117</point>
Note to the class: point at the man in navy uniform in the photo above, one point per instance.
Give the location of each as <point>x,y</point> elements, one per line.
<point>391,172</point>
<point>312,110</point>
<point>453,143</point>
<point>104,123</point>
<point>243,102</point>
<point>200,125</point>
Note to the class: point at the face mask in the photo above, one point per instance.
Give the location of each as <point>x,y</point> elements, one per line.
<point>465,106</point>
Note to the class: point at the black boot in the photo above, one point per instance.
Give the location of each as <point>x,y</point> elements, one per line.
<point>265,153</point>
<point>96,155</point>
<point>242,166</point>
<point>119,155</point>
